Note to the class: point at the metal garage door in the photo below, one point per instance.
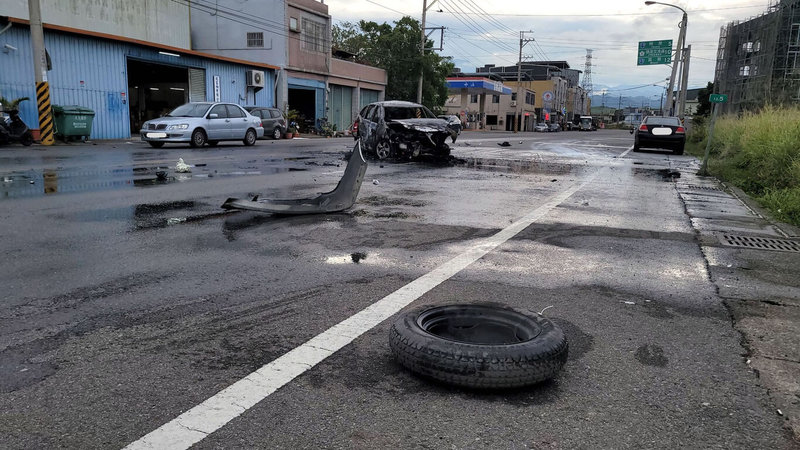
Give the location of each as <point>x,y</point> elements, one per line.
<point>341,104</point>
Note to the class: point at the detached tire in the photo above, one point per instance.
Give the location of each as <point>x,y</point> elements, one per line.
<point>479,346</point>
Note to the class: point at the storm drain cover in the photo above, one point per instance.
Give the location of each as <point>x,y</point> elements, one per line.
<point>703,188</point>
<point>760,243</point>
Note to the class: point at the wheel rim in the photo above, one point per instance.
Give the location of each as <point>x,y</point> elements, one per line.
<point>277,133</point>
<point>251,137</point>
<point>477,324</point>
<point>382,150</point>
<point>199,139</point>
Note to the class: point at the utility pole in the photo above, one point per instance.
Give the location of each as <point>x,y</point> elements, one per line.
<point>40,73</point>
<point>684,81</point>
<point>522,42</point>
<point>423,37</point>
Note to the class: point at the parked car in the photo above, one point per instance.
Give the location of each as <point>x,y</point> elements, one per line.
<point>660,132</point>
<point>587,123</point>
<point>203,123</point>
<point>540,127</point>
<point>402,130</point>
<point>454,121</point>
<point>554,127</point>
<point>272,120</point>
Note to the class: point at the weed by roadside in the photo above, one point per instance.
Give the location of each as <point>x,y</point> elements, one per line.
<point>760,154</point>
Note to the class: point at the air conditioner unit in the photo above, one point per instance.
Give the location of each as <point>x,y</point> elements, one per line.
<point>255,78</point>
<point>513,103</point>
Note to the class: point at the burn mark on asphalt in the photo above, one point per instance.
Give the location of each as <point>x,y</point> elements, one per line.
<point>668,175</point>
<point>651,355</point>
<point>382,200</point>
<point>559,234</point>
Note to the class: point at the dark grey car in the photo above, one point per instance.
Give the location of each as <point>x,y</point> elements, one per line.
<point>402,130</point>
<point>271,119</point>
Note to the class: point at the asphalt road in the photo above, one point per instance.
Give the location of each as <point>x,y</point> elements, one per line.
<point>128,299</point>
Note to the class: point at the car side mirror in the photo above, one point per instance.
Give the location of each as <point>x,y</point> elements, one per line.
<point>213,116</point>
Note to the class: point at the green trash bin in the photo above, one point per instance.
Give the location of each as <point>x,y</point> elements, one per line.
<point>73,121</point>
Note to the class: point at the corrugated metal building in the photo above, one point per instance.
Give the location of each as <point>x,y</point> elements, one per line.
<point>104,73</point>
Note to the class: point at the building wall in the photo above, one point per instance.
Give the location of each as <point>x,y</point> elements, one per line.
<point>303,52</point>
<point>222,29</point>
<point>161,22</point>
<point>92,72</point>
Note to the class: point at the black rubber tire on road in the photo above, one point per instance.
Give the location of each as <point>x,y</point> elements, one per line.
<point>250,138</point>
<point>479,346</point>
<point>26,139</point>
<point>679,150</point>
<point>155,144</point>
<point>198,138</point>
<point>276,133</point>
<point>212,143</point>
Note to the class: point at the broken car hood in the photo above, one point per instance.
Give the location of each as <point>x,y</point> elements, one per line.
<point>425,125</point>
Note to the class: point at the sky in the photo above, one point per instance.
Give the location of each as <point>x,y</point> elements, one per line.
<point>487,32</point>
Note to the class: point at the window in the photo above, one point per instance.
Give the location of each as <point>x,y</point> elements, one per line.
<point>491,120</point>
<point>794,36</point>
<point>495,99</point>
<point>744,71</point>
<point>293,24</point>
<point>234,111</point>
<point>220,111</point>
<point>747,46</point>
<point>529,98</point>
<point>513,96</point>
<point>255,39</point>
<point>275,114</point>
<point>313,36</point>
<point>473,98</point>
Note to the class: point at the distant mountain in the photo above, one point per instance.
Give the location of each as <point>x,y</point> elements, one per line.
<point>627,95</point>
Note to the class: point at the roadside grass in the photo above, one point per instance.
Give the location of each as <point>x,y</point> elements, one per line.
<point>759,153</point>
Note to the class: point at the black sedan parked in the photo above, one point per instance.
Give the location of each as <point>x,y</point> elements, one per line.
<point>660,132</point>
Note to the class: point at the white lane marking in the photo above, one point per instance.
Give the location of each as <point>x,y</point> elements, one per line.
<point>195,424</point>
<point>625,152</point>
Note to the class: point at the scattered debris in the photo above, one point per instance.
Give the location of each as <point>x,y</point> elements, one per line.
<point>706,404</point>
<point>32,182</point>
<point>586,203</point>
<point>7,180</point>
<point>182,167</point>
<point>553,180</point>
<point>358,256</point>
<point>545,309</point>
<point>375,182</point>
<point>504,144</point>
<point>629,303</point>
<point>747,362</point>
<point>161,175</point>
<point>780,413</point>
<point>520,142</point>
<point>467,144</point>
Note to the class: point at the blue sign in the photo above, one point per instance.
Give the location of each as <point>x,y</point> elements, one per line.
<point>492,86</point>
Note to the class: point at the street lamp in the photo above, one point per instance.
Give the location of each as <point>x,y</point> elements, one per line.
<point>679,53</point>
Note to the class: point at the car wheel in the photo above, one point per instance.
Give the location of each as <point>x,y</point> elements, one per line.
<point>250,137</point>
<point>156,144</point>
<point>276,133</point>
<point>26,139</point>
<point>479,346</point>
<point>213,143</point>
<point>383,149</point>
<point>198,138</point>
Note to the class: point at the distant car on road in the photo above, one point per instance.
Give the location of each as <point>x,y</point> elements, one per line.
<point>271,119</point>
<point>587,124</point>
<point>540,127</point>
<point>453,120</point>
<point>553,127</point>
<point>203,123</point>
<point>402,130</point>
<point>660,132</point>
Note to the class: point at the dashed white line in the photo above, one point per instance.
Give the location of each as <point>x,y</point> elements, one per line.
<point>195,424</point>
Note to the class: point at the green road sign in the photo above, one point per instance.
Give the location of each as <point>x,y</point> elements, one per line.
<point>654,52</point>
<point>718,98</point>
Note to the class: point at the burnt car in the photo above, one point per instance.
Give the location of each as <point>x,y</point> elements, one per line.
<point>402,130</point>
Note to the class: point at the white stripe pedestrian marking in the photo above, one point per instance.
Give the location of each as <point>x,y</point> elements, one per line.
<point>622,155</point>
<point>195,424</point>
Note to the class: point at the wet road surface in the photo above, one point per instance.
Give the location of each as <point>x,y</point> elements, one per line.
<point>129,298</point>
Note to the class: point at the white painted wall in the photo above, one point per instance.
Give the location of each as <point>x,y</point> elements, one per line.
<point>159,21</point>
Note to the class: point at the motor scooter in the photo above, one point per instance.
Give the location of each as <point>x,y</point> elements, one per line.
<point>13,129</point>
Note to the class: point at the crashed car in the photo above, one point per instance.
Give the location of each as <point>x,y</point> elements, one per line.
<point>402,130</point>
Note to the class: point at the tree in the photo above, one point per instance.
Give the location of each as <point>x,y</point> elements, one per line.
<point>704,106</point>
<point>396,50</point>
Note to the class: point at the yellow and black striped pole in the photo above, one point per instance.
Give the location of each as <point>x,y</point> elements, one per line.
<point>45,116</point>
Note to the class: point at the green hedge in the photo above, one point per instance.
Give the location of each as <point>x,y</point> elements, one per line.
<point>759,153</point>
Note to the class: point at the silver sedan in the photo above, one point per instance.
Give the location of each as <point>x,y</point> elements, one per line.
<point>203,123</point>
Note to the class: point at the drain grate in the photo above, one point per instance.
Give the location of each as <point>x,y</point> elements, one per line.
<point>761,243</point>
<point>703,188</point>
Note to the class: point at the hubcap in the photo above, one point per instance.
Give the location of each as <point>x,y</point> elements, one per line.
<point>382,150</point>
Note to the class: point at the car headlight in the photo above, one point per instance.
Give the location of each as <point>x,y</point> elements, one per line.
<point>182,126</point>
<point>144,125</point>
